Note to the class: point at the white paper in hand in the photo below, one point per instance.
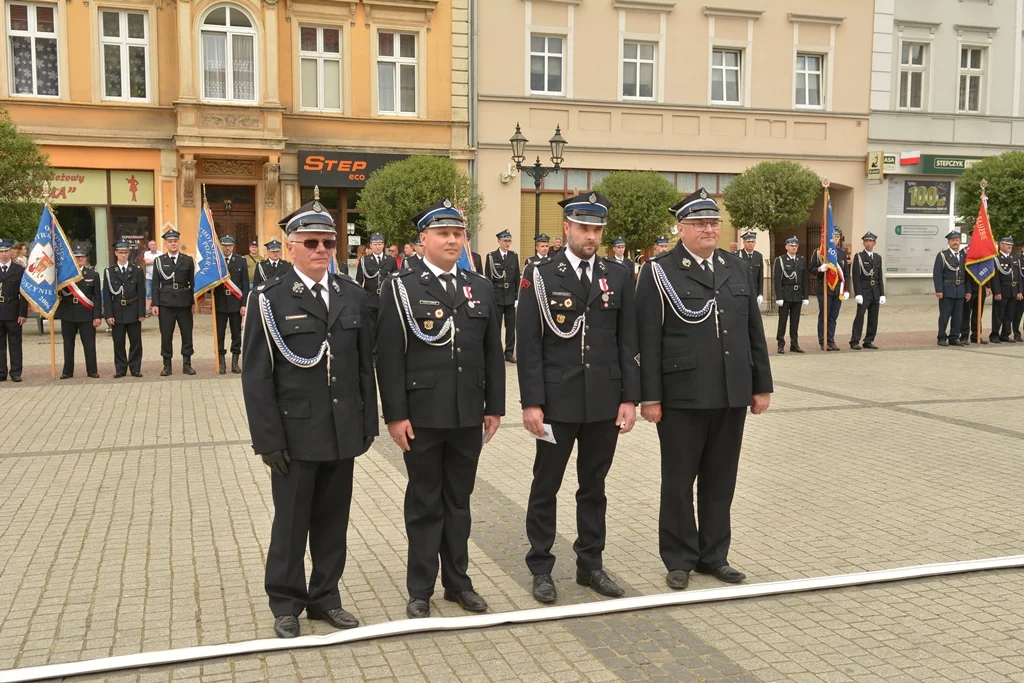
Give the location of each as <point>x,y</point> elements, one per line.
<point>549,436</point>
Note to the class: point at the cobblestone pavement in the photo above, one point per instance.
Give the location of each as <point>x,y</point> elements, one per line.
<point>136,518</point>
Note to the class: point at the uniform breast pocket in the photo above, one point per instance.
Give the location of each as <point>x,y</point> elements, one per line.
<point>742,295</point>
<point>478,311</point>
<point>299,326</point>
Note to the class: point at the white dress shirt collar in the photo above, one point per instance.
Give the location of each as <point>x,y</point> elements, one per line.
<point>438,272</point>
<point>309,282</point>
<point>575,261</point>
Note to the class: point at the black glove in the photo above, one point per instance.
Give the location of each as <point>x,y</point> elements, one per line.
<point>277,461</point>
<point>367,442</point>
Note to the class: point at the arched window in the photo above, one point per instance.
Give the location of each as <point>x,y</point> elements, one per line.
<point>229,55</point>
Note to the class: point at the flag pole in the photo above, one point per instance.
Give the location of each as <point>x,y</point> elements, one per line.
<point>823,247</point>
<point>213,297</point>
<point>53,343</point>
<point>981,287</point>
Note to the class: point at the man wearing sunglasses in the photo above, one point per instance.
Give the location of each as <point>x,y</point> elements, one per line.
<point>311,400</point>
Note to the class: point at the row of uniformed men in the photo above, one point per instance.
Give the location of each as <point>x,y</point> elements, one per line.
<point>311,394</point>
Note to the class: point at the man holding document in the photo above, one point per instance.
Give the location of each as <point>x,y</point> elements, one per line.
<point>579,379</point>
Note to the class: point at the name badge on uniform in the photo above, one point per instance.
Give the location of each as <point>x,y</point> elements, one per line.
<point>429,302</point>
<point>296,317</point>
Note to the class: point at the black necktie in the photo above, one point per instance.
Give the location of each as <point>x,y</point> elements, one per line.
<point>449,285</point>
<point>3,271</point>
<point>705,266</point>
<point>317,288</point>
<point>585,278</point>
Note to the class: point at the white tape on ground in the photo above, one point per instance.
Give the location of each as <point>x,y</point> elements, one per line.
<point>408,626</point>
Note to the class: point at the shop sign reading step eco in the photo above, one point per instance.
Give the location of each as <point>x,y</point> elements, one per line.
<point>341,169</point>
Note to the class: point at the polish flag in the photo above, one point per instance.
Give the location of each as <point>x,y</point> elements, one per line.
<point>910,158</point>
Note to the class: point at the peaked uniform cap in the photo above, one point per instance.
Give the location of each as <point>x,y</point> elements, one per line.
<point>541,238</point>
<point>700,204</point>
<point>79,251</point>
<point>6,244</point>
<point>619,242</point>
<point>870,236</point>
<point>793,240</point>
<point>588,209</point>
<point>953,234</point>
<point>440,214</point>
<point>661,240</point>
<point>273,245</point>
<point>227,240</point>
<point>504,235</point>
<point>171,234</point>
<point>748,236</point>
<point>311,217</point>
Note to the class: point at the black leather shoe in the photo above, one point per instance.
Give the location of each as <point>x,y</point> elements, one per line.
<point>337,617</point>
<point>94,375</point>
<point>510,359</point>
<point>955,342</point>
<point>119,375</point>
<point>468,600</point>
<point>544,588</point>
<point>166,371</point>
<point>16,379</point>
<point>418,608</point>
<point>796,349</point>
<point>1005,340</point>
<point>1018,339</point>
<point>598,580</point>
<point>678,579</point>
<point>995,340</point>
<point>186,368</point>
<point>943,342</point>
<point>725,573</point>
<point>782,349</point>
<point>821,346</point>
<point>135,374</point>
<point>286,626</point>
<point>222,368</point>
<point>984,342</point>
<point>235,370</point>
<point>870,345</point>
<point>855,346</point>
<point>832,347</point>
<point>66,376</point>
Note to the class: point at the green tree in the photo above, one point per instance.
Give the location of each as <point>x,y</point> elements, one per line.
<point>773,196</point>
<point>400,190</point>
<point>1005,176</point>
<point>640,203</point>
<point>23,168</point>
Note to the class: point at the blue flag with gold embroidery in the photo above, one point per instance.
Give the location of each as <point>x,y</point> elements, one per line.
<point>51,265</point>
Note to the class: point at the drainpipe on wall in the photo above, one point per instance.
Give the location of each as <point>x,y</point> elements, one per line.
<point>473,90</point>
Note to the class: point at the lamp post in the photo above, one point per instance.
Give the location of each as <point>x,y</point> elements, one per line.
<point>537,171</point>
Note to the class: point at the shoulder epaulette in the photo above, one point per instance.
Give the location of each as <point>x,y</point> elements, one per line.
<point>479,275</point>
<point>613,262</point>
<point>346,278</point>
<point>267,284</point>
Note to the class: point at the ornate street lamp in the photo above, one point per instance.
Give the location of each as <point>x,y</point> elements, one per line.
<point>538,172</point>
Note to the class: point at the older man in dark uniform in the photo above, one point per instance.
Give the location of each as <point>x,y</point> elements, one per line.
<point>80,312</point>
<point>790,279</point>
<point>371,272</point>
<point>582,383</point>
<point>755,261</point>
<point>124,307</point>
<point>13,312</point>
<point>704,361</point>
<point>174,302</point>
<point>230,298</point>
<point>950,281</point>
<point>442,387</point>
<point>869,290</point>
<point>1006,292</point>
<point>272,266</point>
<point>502,269</point>
<point>311,400</point>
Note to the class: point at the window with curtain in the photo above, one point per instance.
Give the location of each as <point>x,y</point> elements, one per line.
<point>638,70</point>
<point>228,40</point>
<point>396,73</point>
<point>913,66</point>
<point>725,76</point>
<point>32,49</point>
<point>809,70</point>
<point>124,45</point>
<point>546,64</point>
<point>972,69</point>
<point>320,68</point>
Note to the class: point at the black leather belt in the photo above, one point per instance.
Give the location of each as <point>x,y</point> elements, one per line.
<point>957,282</point>
<point>125,302</point>
<point>501,285</point>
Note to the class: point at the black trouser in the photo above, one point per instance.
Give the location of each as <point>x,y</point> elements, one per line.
<point>68,331</point>
<point>871,307</point>
<point>789,310</point>
<point>834,304</point>
<point>132,361</point>
<point>169,315</point>
<point>442,473</point>
<point>950,313</point>
<point>312,501</point>
<point>969,322</point>
<point>596,449</point>
<point>236,332</point>
<point>1002,317</point>
<point>10,336</point>
<point>508,314</point>
<point>701,446</point>
<point>374,312</point>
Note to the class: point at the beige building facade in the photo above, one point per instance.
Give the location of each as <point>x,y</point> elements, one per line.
<point>696,92</point>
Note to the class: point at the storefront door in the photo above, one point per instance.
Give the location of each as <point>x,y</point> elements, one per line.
<point>234,212</point>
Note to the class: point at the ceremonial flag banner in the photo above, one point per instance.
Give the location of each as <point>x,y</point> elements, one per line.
<point>829,252</point>
<point>981,252</point>
<point>211,270</point>
<point>466,257</point>
<point>51,265</point>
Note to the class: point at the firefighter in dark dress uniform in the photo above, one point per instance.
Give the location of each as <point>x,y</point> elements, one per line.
<point>80,312</point>
<point>542,244</point>
<point>230,300</point>
<point>950,280</point>
<point>371,272</point>
<point>272,266</point>
<point>174,302</point>
<point>836,295</point>
<point>502,269</point>
<point>1006,293</point>
<point>869,290</point>
<point>413,261</point>
<point>755,261</point>
<point>442,388</point>
<point>790,280</point>
<point>584,383</point>
<point>619,256</point>
<point>13,312</point>
<point>704,362</point>
<point>311,401</point>
<point>124,307</point>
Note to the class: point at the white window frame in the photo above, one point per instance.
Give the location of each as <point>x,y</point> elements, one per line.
<point>807,73</point>
<point>910,68</point>
<point>123,41</point>
<point>565,33</point>
<point>320,56</point>
<point>659,41</point>
<point>636,63</point>
<point>31,33</point>
<point>546,56</point>
<point>968,72</point>
<point>741,89</point>
<point>229,74</point>
<point>398,62</point>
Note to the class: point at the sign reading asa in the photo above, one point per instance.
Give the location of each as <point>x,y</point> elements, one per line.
<point>341,169</point>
